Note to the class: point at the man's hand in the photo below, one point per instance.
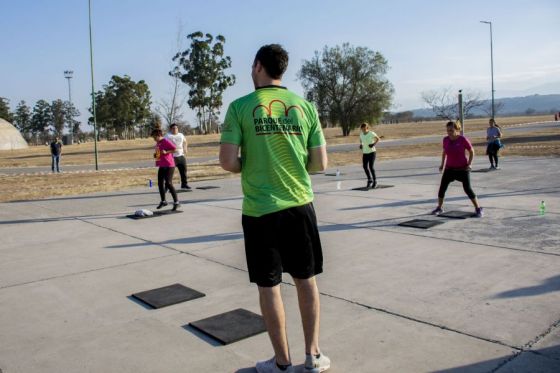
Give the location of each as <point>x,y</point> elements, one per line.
<point>361,147</point>
<point>440,168</point>
<point>371,145</point>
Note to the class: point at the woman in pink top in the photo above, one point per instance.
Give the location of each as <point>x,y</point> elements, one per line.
<point>456,166</point>
<point>164,160</point>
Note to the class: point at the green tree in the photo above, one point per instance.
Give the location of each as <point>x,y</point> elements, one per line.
<point>123,106</point>
<point>58,113</point>
<point>348,85</point>
<point>70,115</point>
<point>41,119</point>
<point>202,67</point>
<point>22,118</point>
<point>5,112</point>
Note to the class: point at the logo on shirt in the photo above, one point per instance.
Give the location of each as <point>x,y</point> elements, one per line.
<point>270,125</point>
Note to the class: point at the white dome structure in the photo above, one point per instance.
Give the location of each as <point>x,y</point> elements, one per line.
<point>10,138</point>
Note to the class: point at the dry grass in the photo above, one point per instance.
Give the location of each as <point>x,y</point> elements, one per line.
<point>18,187</point>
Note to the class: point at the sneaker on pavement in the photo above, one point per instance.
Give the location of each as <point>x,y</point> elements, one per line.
<point>316,364</point>
<point>161,204</point>
<point>479,212</point>
<point>176,206</point>
<point>269,366</point>
<point>497,168</point>
<point>437,211</point>
<point>185,187</point>
<point>374,184</point>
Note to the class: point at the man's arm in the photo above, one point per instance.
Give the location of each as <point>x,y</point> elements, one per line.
<point>229,157</point>
<point>184,144</point>
<point>471,156</point>
<point>317,159</point>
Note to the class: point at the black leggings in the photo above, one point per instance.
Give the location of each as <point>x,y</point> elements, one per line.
<point>450,175</point>
<point>165,181</point>
<point>492,151</point>
<point>368,160</point>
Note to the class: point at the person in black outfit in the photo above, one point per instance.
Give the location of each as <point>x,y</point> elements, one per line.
<point>56,152</point>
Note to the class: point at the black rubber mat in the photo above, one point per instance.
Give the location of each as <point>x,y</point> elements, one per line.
<point>378,186</point>
<point>457,214</point>
<point>420,223</point>
<point>168,295</point>
<point>207,187</point>
<point>155,215</point>
<point>231,326</point>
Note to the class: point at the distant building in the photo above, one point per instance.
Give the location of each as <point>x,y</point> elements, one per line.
<point>10,138</point>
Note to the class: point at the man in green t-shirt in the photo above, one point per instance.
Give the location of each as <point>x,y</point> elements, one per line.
<point>281,140</point>
<point>368,140</point>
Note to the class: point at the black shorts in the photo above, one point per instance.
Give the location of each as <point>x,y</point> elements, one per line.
<point>283,241</point>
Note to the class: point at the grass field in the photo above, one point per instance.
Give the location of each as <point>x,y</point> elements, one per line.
<point>18,187</point>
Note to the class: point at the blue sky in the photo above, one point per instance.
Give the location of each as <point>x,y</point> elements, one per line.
<point>429,44</point>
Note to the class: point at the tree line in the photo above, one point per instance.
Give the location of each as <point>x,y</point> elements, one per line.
<point>347,84</point>
<point>44,121</point>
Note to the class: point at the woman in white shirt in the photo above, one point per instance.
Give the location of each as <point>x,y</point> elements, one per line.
<point>180,142</point>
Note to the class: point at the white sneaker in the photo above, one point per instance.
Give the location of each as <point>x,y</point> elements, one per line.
<point>269,366</point>
<point>315,364</point>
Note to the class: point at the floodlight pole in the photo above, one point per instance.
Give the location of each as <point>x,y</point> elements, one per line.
<point>68,75</point>
<point>92,90</point>
<point>491,65</point>
<point>461,112</point>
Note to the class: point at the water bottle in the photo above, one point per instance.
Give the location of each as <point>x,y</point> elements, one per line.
<point>542,208</point>
<point>150,183</point>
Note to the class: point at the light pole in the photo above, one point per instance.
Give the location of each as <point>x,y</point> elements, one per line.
<point>68,75</point>
<point>491,65</point>
<point>92,89</point>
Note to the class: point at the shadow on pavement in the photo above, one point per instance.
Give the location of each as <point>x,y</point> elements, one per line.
<point>548,360</point>
<point>547,286</point>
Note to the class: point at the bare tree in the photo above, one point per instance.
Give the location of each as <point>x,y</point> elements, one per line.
<point>498,106</point>
<point>445,104</point>
<point>171,108</point>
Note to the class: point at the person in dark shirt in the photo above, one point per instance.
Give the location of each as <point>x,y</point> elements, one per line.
<point>56,152</point>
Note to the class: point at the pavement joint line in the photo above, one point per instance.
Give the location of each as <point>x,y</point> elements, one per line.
<point>440,238</point>
<point>84,272</point>
<point>542,335</point>
<point>410,318</point>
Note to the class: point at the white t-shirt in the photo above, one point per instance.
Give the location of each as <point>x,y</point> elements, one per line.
<point>178,141</point>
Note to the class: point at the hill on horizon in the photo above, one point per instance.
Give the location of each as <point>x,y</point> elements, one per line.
<point>533,104</point>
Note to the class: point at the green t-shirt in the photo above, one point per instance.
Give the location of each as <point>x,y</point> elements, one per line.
<point>365,140</point>
<point>274,128</point>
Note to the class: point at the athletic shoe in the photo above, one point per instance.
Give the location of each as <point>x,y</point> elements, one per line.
<point>314,364</point>
<point>497,168</point>
<point>161,204</point>
<point>269,366</point>
<point>176,206</point>
<point>369,184</point>
<point>492,167</point>
<point>374,184</point>
<point>479,212</point>
<point>437,211</point>
<point>185,187</point>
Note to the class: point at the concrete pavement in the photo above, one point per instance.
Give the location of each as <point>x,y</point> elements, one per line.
<point>476,295</point>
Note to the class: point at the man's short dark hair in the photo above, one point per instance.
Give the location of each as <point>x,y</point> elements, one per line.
<point>274,59</point>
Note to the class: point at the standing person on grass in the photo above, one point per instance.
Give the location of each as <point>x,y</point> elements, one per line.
<point>281,140</point>
<point>180,142</point>
<point>493,136</point>
<point>456,166</point>
<point>368,140</point>
<point>56,153</point>
<point>164,160</point>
